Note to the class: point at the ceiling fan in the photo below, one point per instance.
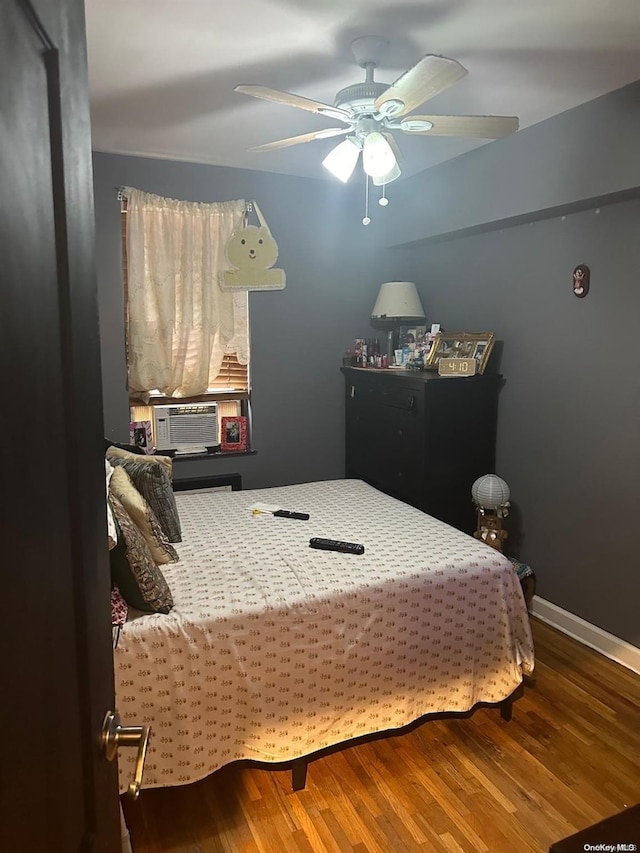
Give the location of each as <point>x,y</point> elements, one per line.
<point>373,111</point>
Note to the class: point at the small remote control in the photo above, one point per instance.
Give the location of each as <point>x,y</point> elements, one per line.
<point>336,545</point>
<point>285,513</point>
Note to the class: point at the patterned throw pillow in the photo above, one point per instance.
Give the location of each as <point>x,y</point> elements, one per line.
<point>139,580</point>
<point>121,453</point>
<point>122,487</point>
<point>118,608</point>
<point>111,525</point>
<point>154,483</point>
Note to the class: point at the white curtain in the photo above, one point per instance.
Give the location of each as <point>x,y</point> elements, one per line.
<point>179,323</point>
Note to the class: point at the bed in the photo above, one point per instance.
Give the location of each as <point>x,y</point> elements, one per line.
<point>275,651</point>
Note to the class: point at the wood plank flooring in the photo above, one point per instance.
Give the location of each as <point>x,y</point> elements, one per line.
<point>569,758</point>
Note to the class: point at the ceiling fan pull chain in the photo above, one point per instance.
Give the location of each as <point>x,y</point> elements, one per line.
<point>366,219</point>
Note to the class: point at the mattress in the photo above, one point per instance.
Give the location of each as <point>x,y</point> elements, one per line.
<point>274,650</point>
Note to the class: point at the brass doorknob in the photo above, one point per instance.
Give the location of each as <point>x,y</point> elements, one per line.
<point>113,736</point>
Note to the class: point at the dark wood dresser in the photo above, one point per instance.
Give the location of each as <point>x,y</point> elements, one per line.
<point>421,437</point>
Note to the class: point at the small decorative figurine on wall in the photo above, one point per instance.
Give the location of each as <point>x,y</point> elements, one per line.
<point>581,276</point>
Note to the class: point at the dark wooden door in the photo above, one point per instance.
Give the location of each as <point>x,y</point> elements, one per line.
<point>57,793</point>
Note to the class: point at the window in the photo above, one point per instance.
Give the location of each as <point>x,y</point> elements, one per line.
<point>179,331</point>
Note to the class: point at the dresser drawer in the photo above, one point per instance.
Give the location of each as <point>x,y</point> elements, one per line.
<point>385,393</point>
<point>394,425</point>
<point>386,452</point>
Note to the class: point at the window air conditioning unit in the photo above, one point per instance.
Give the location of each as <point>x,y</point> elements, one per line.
<point>191,428</point>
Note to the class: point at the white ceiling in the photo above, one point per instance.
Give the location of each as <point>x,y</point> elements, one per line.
<point>162,72</point>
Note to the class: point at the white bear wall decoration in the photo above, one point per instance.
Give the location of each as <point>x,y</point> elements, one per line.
<point>252,252</point>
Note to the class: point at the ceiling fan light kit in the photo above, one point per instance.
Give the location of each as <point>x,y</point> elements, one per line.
<point>392,175</point>
<point>341,160</point>
<point>372,111</point>
<point>378,158</point>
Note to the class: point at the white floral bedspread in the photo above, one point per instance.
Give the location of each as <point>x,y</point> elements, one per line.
<point>274,649</point>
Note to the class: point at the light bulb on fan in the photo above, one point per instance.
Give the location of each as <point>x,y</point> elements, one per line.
<point>378,159</point>
<point>392,175</point>
<point>341,160</point>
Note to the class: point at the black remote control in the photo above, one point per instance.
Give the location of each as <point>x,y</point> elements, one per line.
<point>336,545</point>
<point>285,513</point>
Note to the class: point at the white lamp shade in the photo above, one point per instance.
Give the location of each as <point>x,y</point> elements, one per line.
<point>378,158</point>
<point>490,491</point>
<point>398,300</point>
<point>341,160</point>
<point>393,175</point>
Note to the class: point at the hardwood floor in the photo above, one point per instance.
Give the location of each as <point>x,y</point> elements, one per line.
<point>569,758</point>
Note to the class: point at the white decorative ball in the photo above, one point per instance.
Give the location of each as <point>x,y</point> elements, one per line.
<point>490,491</point>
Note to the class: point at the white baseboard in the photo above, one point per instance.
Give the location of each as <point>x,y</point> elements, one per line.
<point>590,635</point>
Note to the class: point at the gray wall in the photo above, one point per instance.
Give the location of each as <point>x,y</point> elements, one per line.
<point>569,424</point>
<point>569,418</point>
<point>297,335</point>
<point>565,162</point>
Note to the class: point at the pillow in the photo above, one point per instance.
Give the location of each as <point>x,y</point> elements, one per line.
<point>111,525</point>
<point>122,453</point>
<point>130,447</point>
<point>153,481</point>
<point>142,515</point>
<point>140,581</point>
<point>118,608</point>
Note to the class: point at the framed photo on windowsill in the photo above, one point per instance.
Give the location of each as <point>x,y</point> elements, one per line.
<point>141,435</point>
<point>233,434</point>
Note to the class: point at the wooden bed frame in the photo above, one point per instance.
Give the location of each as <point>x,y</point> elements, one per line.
<point>299,766</point>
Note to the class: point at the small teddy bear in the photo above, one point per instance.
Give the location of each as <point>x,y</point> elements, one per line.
<point>490,531</point>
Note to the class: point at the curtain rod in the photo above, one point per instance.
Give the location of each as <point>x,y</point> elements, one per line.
<point>122,196</point>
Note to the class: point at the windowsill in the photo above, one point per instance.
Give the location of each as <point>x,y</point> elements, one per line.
<point>218,395</point>
<point>213,454</point>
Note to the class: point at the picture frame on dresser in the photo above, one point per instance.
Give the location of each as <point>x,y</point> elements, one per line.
<point>476,345</point>
<point>411,336</point>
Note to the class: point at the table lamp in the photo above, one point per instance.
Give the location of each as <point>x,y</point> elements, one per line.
<point>398,302</point>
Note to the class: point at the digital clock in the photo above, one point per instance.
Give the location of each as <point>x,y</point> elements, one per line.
<point>457,366</point>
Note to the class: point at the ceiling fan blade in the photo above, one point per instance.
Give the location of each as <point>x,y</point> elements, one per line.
<point>305,137</point>
<point>429,77</point>
<point>482,127</point>
<point>290,100</point>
